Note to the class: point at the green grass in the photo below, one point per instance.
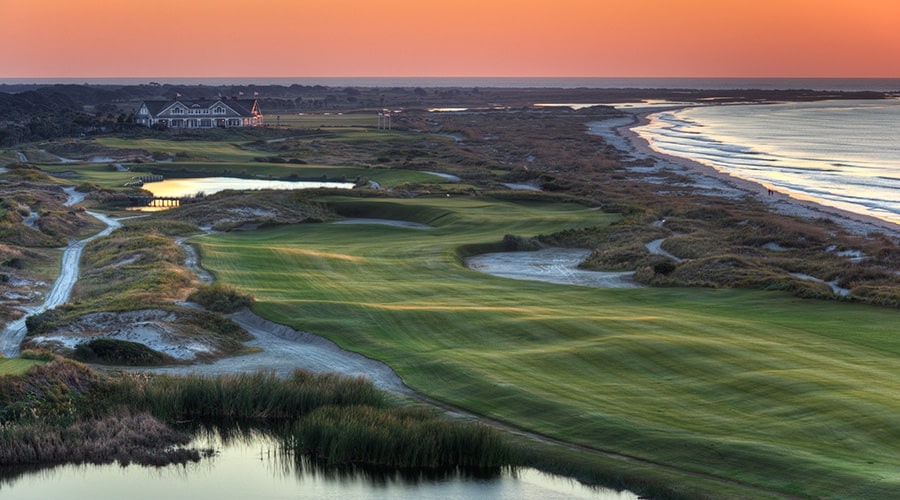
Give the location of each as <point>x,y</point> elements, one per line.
<point>99,174</point>
<point>16,366</point>
<point>316,120</point>
<point>791,395</point>
<point>212,150</point>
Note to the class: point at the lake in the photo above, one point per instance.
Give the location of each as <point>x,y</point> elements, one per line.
<point>252,466</point>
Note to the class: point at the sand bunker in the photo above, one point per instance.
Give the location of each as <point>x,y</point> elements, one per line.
<point>553,265</point>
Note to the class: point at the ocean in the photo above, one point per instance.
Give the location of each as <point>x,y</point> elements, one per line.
<point>844,154</point>
<point>840,84</point>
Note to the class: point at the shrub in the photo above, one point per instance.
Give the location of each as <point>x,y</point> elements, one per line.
<point>220,298</point>
<point>119,352</point>
<point>665,267</point>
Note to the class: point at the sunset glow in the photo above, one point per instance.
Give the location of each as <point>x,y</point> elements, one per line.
<point>289,38</point>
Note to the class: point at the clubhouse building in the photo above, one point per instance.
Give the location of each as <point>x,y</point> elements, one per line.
<point>200,113</point>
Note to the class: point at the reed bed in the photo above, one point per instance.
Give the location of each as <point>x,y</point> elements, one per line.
<point>122,438</point>
<point>242,396</point>
<point>396,438</point>
<point>65,412</point>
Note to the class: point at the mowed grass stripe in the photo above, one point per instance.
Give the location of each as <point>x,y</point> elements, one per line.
<point>16,366</point>
<point>761,387</point>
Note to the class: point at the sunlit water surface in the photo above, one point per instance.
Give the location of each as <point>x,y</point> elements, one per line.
<point>210,185</point>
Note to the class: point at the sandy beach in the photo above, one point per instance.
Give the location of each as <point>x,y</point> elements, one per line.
<point>779,202</point>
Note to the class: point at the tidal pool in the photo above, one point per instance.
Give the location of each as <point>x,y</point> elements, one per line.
<point>254,467</point>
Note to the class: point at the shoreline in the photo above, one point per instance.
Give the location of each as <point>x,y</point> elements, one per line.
<point>780,202</point>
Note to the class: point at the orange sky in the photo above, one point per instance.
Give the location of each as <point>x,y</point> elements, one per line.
<point>319,38</point>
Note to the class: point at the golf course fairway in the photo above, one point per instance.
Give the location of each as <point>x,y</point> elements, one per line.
<point>795,396</point>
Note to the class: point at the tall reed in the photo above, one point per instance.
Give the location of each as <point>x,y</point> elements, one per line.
<point>396,437</point>
<point>256,395</point>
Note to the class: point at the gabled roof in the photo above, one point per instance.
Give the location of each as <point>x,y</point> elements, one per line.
<point>243,107</point>
<point>154,107</point>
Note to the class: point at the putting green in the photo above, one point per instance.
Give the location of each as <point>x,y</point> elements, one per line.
<point>16,366</point>
<point>793,395</point>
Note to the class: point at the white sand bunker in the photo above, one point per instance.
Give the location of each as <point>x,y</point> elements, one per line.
<point>553,265</point>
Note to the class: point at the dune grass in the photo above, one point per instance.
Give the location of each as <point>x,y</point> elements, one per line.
<point>770,390</point>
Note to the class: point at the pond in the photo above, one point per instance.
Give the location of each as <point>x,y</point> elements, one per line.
<point>210,185</point>
<point>252,466</point>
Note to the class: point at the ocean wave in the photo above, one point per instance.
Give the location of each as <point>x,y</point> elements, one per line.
<point>840,153</point>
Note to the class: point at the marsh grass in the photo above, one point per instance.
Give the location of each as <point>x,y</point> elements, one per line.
<point>66,412</point>
<point>397,438</point>
<point>247,396</point>
<point>121,437</point>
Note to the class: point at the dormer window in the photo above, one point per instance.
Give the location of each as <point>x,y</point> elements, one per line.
<point>220,110</point>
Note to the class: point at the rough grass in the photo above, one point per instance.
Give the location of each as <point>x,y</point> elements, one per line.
<point>770,390</point>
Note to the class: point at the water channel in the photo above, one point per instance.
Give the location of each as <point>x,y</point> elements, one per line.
<point>253,465</point>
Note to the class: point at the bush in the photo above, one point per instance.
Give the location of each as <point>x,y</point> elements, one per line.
<point>220,298</point>
<point>120,352</point>
<point>665,267</point>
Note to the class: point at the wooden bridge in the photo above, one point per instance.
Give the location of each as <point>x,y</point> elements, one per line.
<point>162,201</point>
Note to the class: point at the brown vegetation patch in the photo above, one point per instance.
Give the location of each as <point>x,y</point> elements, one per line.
<point>232,209</point>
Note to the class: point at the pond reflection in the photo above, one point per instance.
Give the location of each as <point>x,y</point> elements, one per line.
<point>251,464</point>
<point>210,185</point>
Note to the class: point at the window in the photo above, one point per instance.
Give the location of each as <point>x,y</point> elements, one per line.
<point>220,110</point>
